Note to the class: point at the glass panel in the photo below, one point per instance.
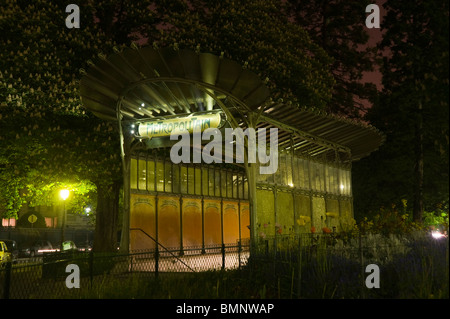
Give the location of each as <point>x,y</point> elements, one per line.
<point>133,174</point>
<point>160,176</point>
<point>183,179</point>
<point>234,183</point>
<point>313,175</point>
<point>142,174</point>
<point>217,183</point>
<point>306,169</point>
<point>245,188</point>
<point>176,186</point>
<point>198,181</point>
<point>349,183</point>
<point>229,184</point>
<point>211,182</point>
<point>168,176</point>
<point>205,184</point>
<point>303,173</point>
<point>344,182</point>
<point>289,173</point>
<point>240,186</point>
<point>336,181</point>
<point>191,180</point>
<point>295,171</point>
<point>329,179</point>
<point>321,172</point>
<point>223,184</point>
<point>151,175</point>
<point>283,170</point>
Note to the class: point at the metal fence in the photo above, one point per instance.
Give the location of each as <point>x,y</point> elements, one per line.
<point>333,266</point>
<point>46,276</point>
<point>305,266</point>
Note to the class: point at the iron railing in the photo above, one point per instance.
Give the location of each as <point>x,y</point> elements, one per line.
<point>46,276</point>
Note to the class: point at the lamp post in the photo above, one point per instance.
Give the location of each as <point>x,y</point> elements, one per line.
<point>64,194</point>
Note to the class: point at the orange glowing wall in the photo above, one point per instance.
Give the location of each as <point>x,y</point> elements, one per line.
<point>194,228</point>
<point>213,229</point>
<point>169,221</point>
<point>192,222</point>
<point>142,217</point>
<point>230,222</point>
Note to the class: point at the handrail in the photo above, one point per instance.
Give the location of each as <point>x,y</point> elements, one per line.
<point>162,247</point>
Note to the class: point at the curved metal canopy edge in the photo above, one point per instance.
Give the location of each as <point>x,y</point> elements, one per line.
<point>154,83</point>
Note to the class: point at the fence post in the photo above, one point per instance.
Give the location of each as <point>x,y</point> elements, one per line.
<point>300,253</point>
<point>91,267</point>
<point>239,254</point>
<point>156,260</point>
<point>362,267</point>
<point>223,256</point>
<point>7,280</point>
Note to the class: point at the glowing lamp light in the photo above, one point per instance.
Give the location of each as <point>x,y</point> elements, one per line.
<point>64,193</point>
<point>437,234</point>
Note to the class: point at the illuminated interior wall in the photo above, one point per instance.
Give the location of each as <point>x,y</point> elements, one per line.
<point>213,222</point>
<point>214,204</point>
<point>318,212</point>
<point>169,221</point>
<point>309,193</point>
<point>333,209</point>
<point>192,222</point>
<point>303,210</point>
<point>230,222</point>
<point>285,213</point>
<point>214,201</point>
<point>265,218</point>
<point>142,217</point>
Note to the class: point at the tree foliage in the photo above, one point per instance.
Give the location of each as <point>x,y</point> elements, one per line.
<point>47,138</point>
<point>414,103</point>
<point>257,34</point>
<point>338,27</point>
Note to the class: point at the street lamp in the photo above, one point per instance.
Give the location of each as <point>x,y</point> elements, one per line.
<point>64,194</point>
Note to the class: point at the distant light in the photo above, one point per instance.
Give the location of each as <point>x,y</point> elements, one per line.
<point>87,210</point>
<point>132,131</point>
<point>342,186</point>
<point>64,193</point>
<point>142,104</point>
<point>437,234</point>
<point>291,185</point>
<point>133,126</point>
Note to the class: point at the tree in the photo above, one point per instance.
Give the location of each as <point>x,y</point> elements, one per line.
<point>338,27</point>
<point>257,34</point>
<point>412,110</point>
<point>46,136</point>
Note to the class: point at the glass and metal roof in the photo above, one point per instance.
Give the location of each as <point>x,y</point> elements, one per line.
<point>143,84</point>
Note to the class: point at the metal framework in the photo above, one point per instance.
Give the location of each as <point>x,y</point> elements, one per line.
<point>137,84</point>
